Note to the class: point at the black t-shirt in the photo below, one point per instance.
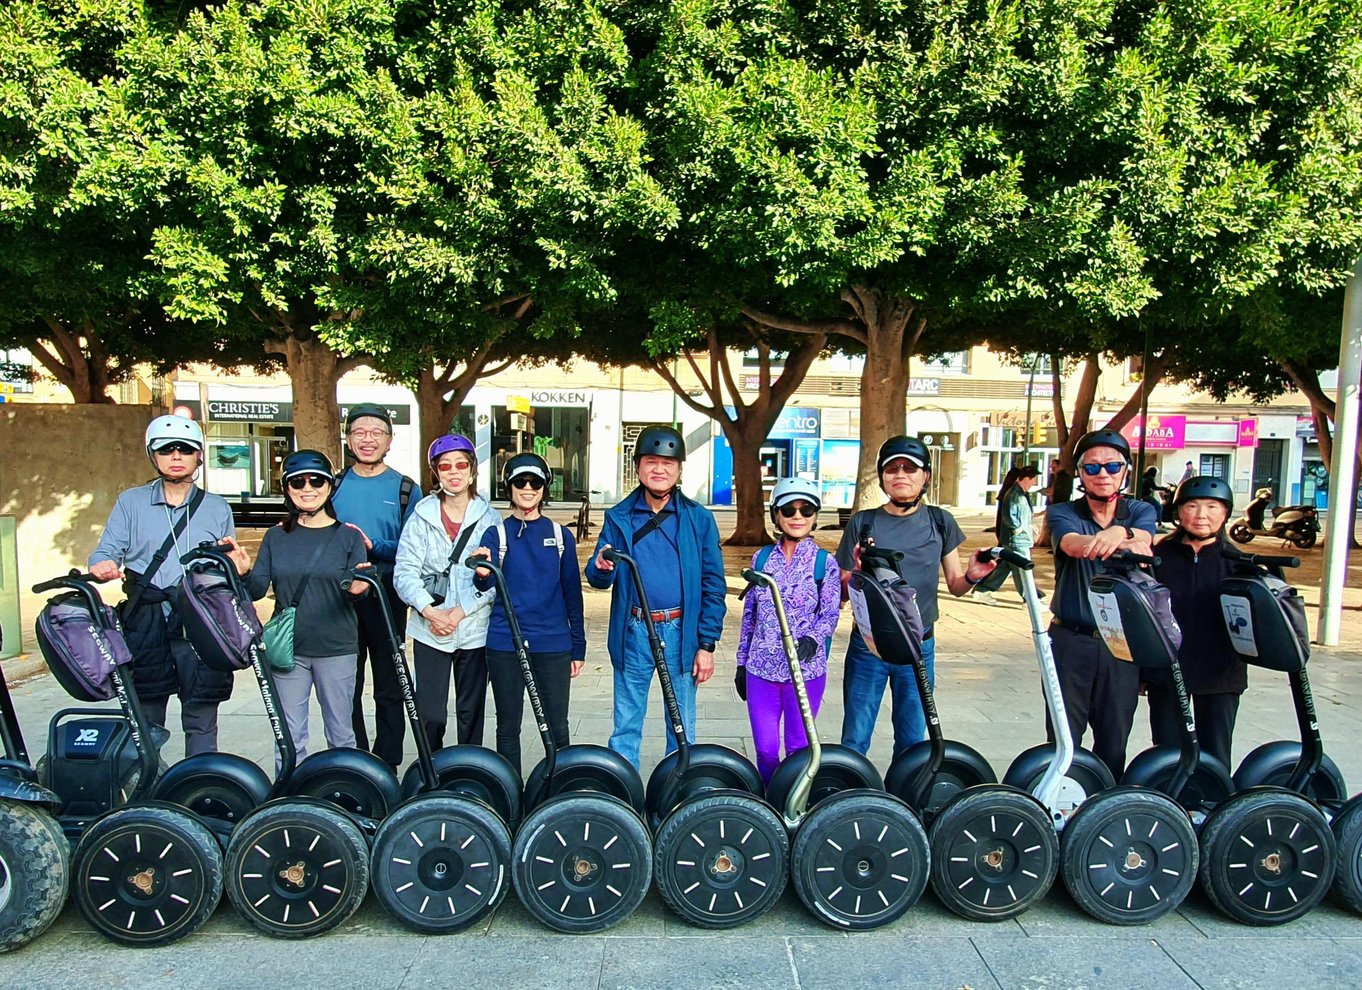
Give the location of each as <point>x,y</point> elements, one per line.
<point>1209,663</point>
<point>924,537</point>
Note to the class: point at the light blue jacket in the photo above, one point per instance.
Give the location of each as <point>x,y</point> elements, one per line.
<point>423,549</point>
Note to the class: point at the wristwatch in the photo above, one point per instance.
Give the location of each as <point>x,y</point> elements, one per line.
<point>1130,533</point>
<point>708,646</point>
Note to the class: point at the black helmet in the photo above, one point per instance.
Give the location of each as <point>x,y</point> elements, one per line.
<point>1102,438</point>
<point>308,462</point>
<point>527,463</point>
<point>660,441</point>
<point>1204,486</point>
<point>368,409</point>
<point>909,448</point>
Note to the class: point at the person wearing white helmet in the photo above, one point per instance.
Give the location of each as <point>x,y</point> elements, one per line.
<point>148,530</point>
<point>810,585</point>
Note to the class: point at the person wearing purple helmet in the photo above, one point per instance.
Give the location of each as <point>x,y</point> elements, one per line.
<point>449,617</point>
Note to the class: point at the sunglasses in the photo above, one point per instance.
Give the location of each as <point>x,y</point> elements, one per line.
<point>177,448</point>
<point>807,511</point>
<point>1111,467</point>
<point>301,481</point>
<point>527,481</point>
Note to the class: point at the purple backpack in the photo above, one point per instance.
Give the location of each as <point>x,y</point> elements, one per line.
<point>224,630</point>
<point>80,651</point>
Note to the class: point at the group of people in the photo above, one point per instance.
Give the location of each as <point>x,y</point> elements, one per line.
<point>371,515</point>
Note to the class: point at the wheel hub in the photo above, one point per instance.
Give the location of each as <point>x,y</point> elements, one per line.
<point>995,859</point>
<point>582,867</point>
<point>1134,860</point>
<point>144,881</point>
<point>725,864</point>
<point>1272,862</point>
<point>295,875</point>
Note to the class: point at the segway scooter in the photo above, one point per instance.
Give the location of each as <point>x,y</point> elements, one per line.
<point>146,873</point>
<point>720,853</point>
<point>582,858</point>
<point>1268,854</point>
<point>296,866</point>
<point>995,847</point>
<point>859,859</point>
<point>440,860</point>
<point>35,858</point>
<point>1128,855</point>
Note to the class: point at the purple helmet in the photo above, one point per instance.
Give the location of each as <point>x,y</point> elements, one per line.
<point>449,443</point>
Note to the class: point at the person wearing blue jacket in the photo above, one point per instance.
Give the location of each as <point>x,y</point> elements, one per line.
<point>676,543</point>
<point>530,548</point>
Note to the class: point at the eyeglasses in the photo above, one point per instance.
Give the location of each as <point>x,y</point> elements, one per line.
<point>300,481</point>
<point>1111,467</point>
<point>527,481</point>
<point>807,511</point>
<point>177,448</point>
<point>369,434</point>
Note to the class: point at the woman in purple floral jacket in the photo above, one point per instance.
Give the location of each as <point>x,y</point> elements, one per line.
<point>763,676</point>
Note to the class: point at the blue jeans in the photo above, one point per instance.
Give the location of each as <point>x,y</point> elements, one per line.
<point>634,677</point>
<point>863,688</point>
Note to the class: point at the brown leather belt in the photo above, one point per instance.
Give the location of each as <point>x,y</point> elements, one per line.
<point>665,615</point>
<point>1073,627</point>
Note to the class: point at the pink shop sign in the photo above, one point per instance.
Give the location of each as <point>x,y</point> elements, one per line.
<point>1164,433</point>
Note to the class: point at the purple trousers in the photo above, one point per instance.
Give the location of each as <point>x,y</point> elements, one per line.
<point>768,702</point>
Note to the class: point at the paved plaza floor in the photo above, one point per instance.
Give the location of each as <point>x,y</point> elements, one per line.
<point>988,693</point>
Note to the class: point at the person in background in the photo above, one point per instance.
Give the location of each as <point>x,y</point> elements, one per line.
<point>1014,532</point>
<point>810,584</point>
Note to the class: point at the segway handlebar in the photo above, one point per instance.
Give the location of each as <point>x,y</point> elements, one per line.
<point>1134,559</point>
<point>881,555</point>
<point>75,580</point>
<point>1264,559</point>
<point>1018,560</point>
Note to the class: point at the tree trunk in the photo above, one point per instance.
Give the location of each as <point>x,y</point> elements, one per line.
<point>314,369</point>
<point>891,334</point>
<point>745,437</point>
<point>435,412</point>
<point>86,376</point>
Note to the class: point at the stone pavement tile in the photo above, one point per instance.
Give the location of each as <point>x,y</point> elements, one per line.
<point>334,962</point>
<point>531,963</point>
<point>1250,963</point>
<point>665,964</point>
<point>513,921</point>
<point>930,919</point>
<point>890,961</point>
<point>1058,915</point>
<point>1081,964</point>
<point>787,917</point>
<point>1325,921</point>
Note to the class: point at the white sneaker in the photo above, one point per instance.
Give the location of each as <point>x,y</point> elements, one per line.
<point>983,595</point>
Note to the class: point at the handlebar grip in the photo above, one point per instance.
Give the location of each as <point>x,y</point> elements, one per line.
<point>473,563</point>
<point>611,554</point>
<point>1272,560</point>
<point>64,581</point>
<point>1017,560</point>
<point>1130,557</point>
<point>749,575</point>
<point>883,554</point>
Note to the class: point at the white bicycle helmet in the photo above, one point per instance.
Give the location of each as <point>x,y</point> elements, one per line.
<point>173,429</point>
<point>791,489</point>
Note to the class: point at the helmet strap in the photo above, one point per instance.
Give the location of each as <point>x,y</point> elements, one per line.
<point>911,503</point>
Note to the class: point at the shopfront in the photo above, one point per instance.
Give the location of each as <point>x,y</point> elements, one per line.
<point>556,425</point>
<point>793,447</point>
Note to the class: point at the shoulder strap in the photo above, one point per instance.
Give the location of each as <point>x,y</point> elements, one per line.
<point>654,521</point>
<point>820,571</point>
<point>312,566</point>
<point>405,491</point>
<point>763,555</point>
<point>465,534</point>
<point>500,527</point>
<point>340,479</point>
<point>938,515</point>
<point>558,538</point>
<point>143,581</point>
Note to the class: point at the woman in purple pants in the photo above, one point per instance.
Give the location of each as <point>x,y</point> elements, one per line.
<point>811,589</point>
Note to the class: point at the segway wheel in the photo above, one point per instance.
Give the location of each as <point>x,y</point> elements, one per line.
<point>1129,856</point>
<point>859,860</point>
<point>995,853</point>
<point>582,863</point>
<point>35,868</point>
<point>440,863</point>
<point>1348,878</point>
<point>147,875</point>
<point>1267,857</point>
<point>721,861</point>
<point>296,870</point>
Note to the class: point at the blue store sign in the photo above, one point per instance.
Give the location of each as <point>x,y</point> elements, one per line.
<point>798,422</point>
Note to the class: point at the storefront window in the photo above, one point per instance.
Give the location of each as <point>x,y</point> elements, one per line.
<point>556,433</point>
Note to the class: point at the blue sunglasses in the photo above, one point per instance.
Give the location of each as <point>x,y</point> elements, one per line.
<point>1112,467</point>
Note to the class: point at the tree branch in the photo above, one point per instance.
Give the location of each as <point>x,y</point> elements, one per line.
<point>496,304</point>
<point>662,370</point>
<point>844,327</point>
<point>1153,374</point>
<point>718,359</point>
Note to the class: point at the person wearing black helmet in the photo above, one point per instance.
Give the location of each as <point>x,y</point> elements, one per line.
<point>150,527</point>
<point>676,543</point>
<point>1194,559</point>
<point>1099,690</point>
<point>376,500</point>
<point>928,537</point>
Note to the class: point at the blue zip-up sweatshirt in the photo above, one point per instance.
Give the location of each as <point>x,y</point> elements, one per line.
<point>702,574</point>
<point>549,612</point>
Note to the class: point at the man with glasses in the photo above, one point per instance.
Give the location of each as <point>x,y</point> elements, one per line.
<point>928,537</point>
<point>148,530</point>
<point>376,500</point>
<point>1099,690</point>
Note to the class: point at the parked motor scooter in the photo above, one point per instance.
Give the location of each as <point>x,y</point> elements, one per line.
<point>1295,524</point>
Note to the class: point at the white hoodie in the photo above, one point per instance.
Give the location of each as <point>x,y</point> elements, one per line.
<point>424,548</point>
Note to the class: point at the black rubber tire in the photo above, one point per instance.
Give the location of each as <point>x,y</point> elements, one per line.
<point>440,863</point>
<point>1271,765</point>
<point>1291,857</point>
<point>147,875</point>
<point>993,840</point>
<point>1306,540</point>
<point>354,781</point>
<point>1209,785</point>
<point>582,863</point>
<point>710,768</point>
<point>860,860</point>
<point>328,873</point>
<point>1240,533</point>
<point>961,767</point>
<point>35,869</point>
<point>721,861</point>
<point>1129,856</point>
<point>1087,775</point>
<point>1347,828</point>
<point>220,788</point>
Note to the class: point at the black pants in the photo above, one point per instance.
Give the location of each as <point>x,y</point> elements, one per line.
<point>1099,691</point>
<point>553,679</point>
<point>390,720</point>
<point>1212,714</point>
<point>433,667</point>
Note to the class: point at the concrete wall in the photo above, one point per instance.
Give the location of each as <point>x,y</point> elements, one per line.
<point>61,469</point>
